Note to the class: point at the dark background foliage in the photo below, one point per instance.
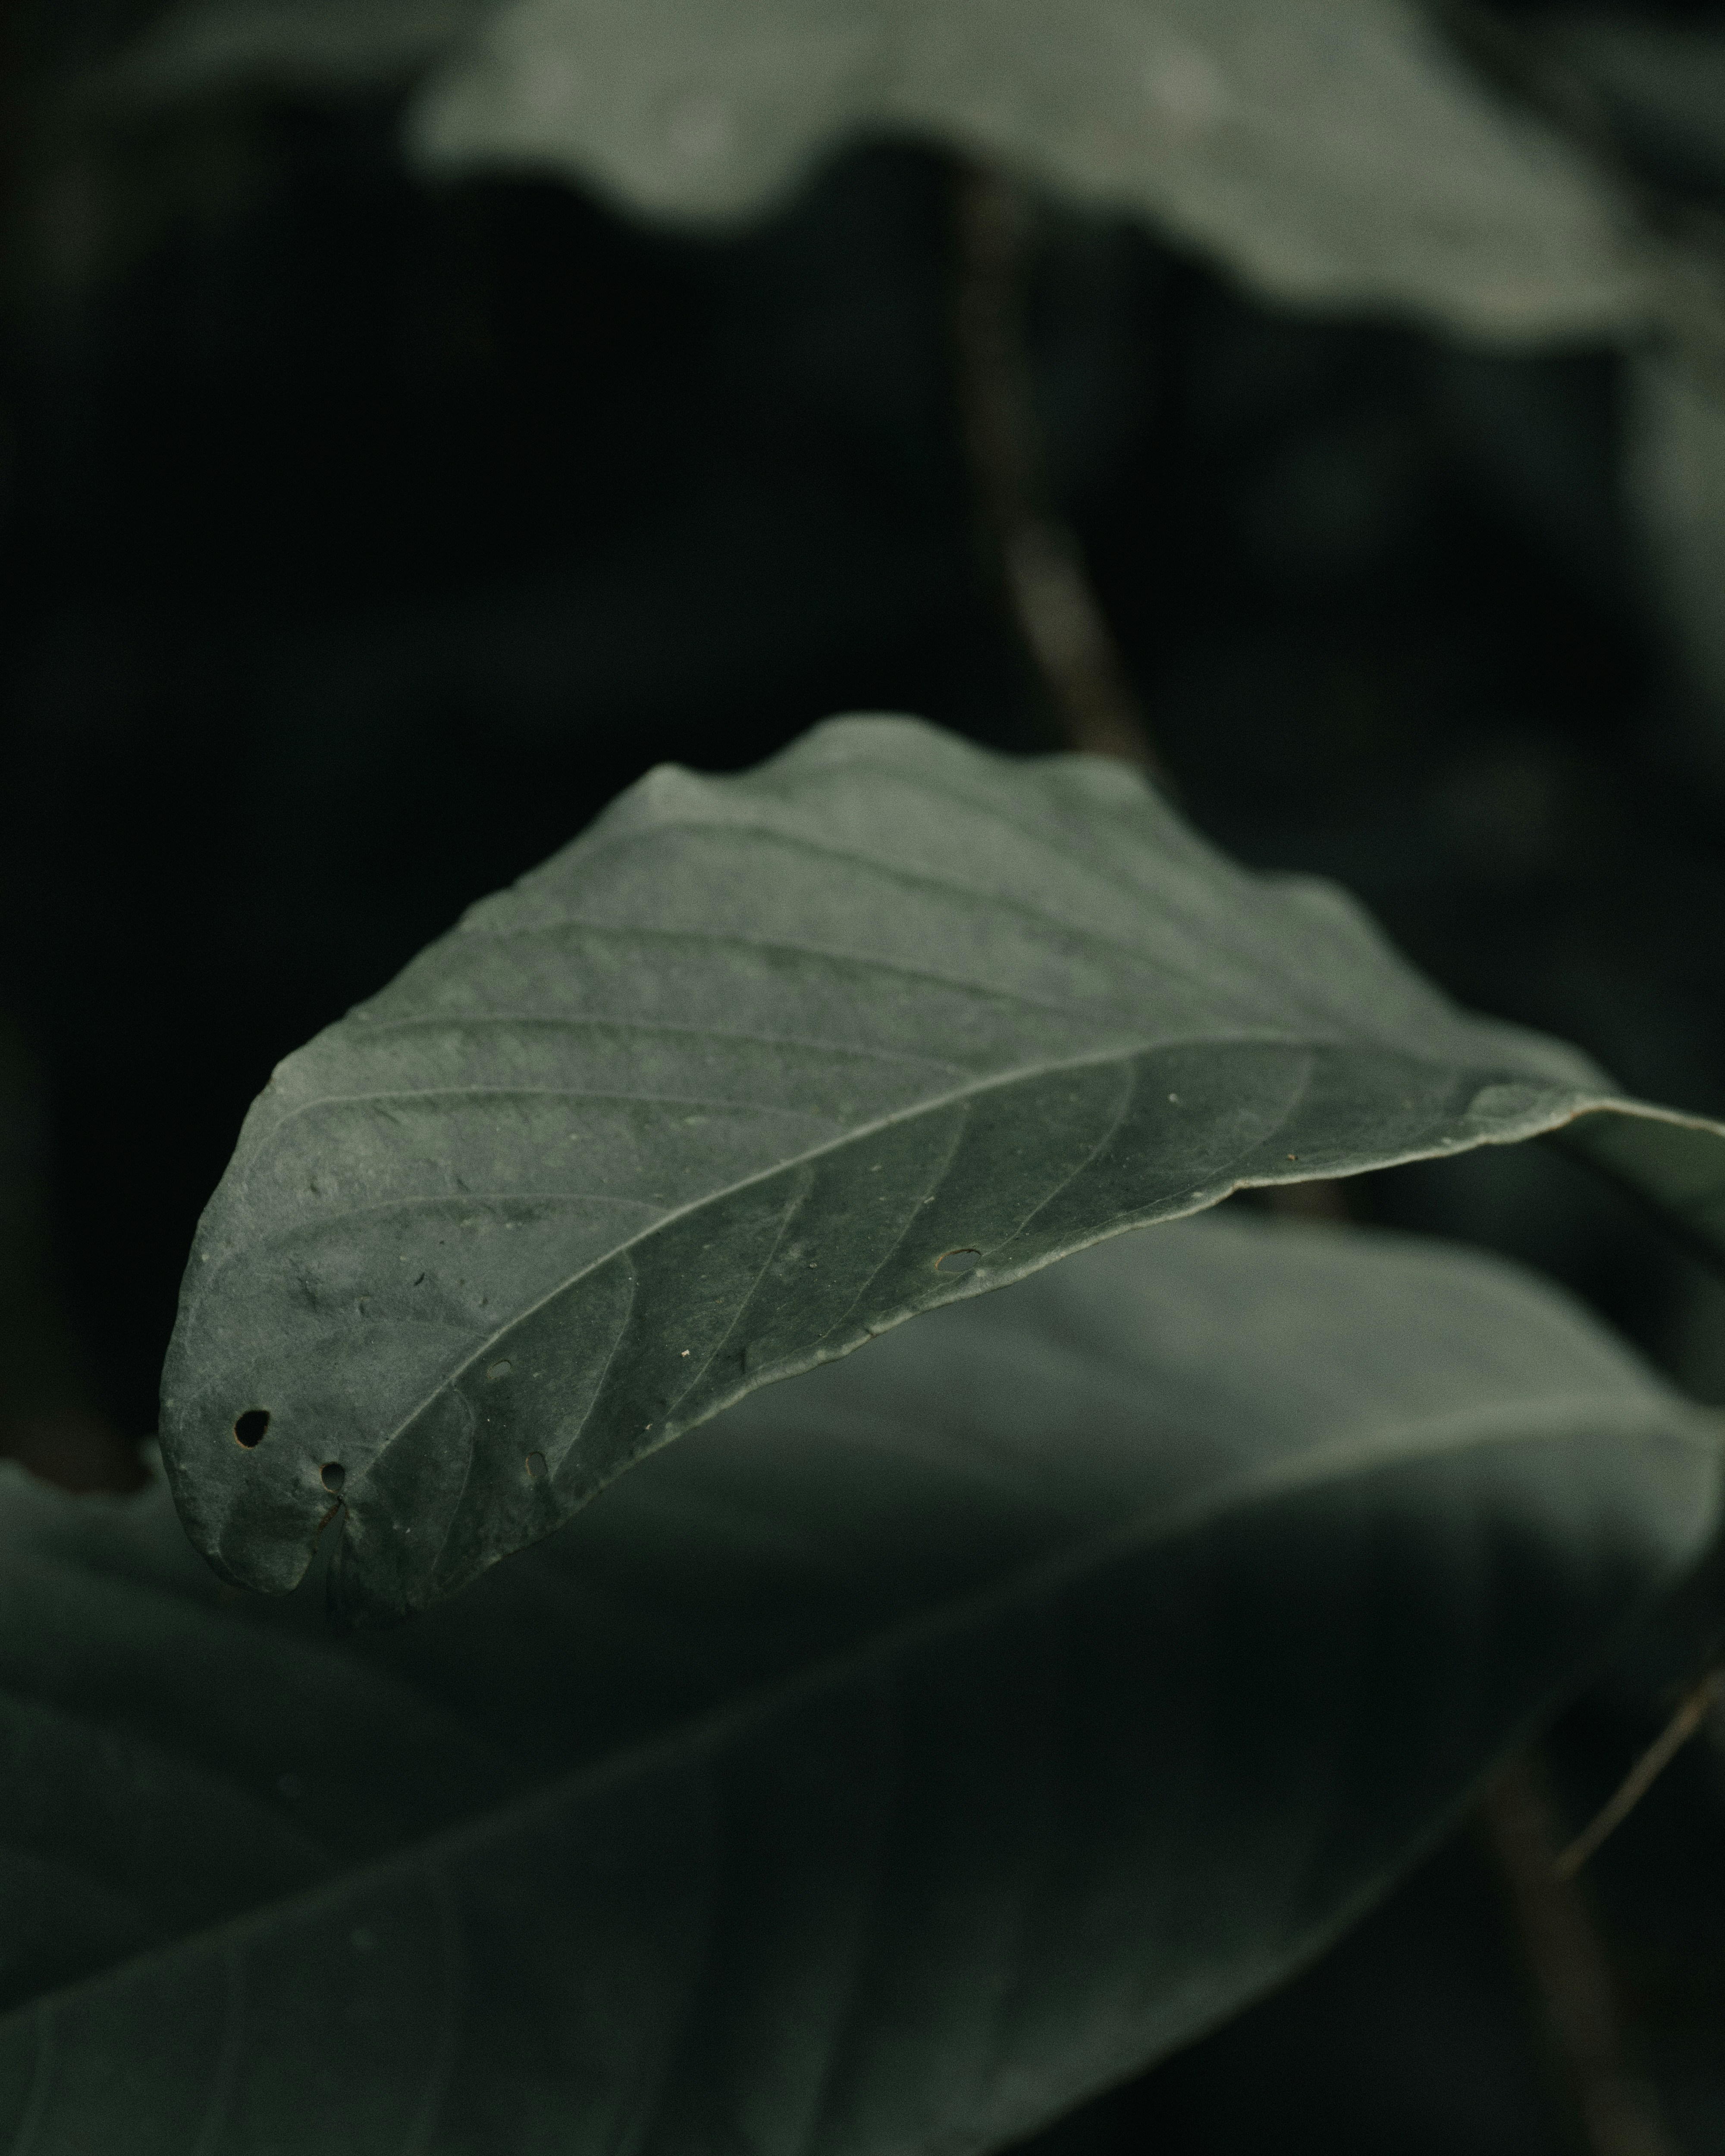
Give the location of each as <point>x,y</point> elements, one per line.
<point>361,539</point>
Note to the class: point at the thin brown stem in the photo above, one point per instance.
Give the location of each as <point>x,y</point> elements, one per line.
<point>1036,555</point>
<point>1567,1962</point>
<point>1692,1713</point>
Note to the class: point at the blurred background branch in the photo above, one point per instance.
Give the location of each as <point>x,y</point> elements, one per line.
<point>1567,1965</point>
<point>1034,553</point>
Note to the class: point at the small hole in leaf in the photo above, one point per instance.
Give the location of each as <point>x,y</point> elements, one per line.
<point>334,1475</point>
<point>535,1467</point>
<point>249,1429</point>
<point>958,1261</point>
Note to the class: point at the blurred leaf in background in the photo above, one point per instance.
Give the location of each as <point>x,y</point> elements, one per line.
<point>1330,154</point>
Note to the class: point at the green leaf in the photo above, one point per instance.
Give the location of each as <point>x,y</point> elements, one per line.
<point>755,1070</point>
<point>1331,152</point>
<point>931,1742</point>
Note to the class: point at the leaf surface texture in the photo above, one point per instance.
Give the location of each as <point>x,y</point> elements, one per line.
<point>754,1070</point>
<point>928,1742</point>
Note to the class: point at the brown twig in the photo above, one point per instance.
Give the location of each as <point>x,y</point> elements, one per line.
<point>1567,1962</point>
<point>1038,558</point>
<point>1691,1712</point>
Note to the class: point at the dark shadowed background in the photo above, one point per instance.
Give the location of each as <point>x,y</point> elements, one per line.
<point>362,538</point>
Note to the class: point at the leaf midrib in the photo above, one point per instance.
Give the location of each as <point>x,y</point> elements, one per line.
<point>973,1083</point>
<point>862,1133</point>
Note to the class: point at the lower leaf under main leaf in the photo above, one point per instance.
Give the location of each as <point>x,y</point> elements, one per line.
<point>930,1741</point>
